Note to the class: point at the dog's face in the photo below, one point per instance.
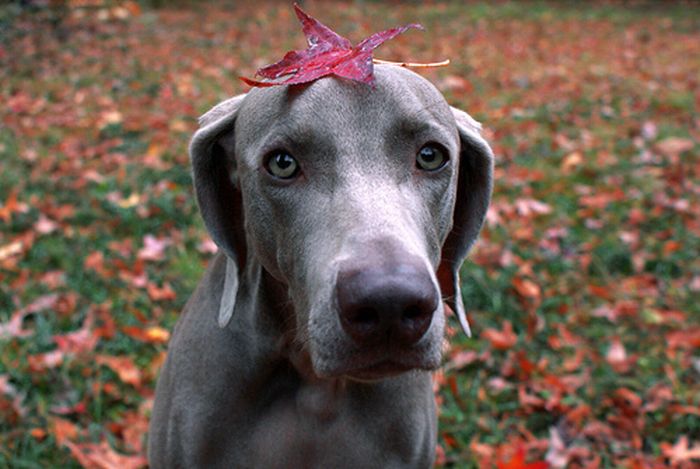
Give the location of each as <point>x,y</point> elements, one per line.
<point>348,194</point>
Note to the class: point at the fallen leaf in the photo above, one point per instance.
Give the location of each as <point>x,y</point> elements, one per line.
<point>207,246</point>
<point>17,397</point>
<point>617,356</point>
<point>12,205</point>
<point>518,462</point>
<point>153,334</point>
<point>531,207</point>
<point>157,293</point>
<point>557,452</point>
<point>95,261</point>
<point>526,288</point>
<point>571,162</point>
<point>81,341</point>
<point>45,225</point>
<point>63,430</point>
<point>681,451</point>
<point>11,249</point>
<point>328,54</point>
<point>14,327</point>
<point>102,456</point>
<point>153,248</point>
<point>134,428</point>
<point>501,340</point>
<point>674,146</point>
<point>685,338</point>
<point>462,359</point>
<point>43,361</point>
<point>38,433</point>
<point>123,366</point>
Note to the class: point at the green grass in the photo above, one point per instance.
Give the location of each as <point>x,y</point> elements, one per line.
<point>94,128</point>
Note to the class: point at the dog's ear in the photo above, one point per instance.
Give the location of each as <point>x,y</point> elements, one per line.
<point>474,185</point>
<point>218,197</point>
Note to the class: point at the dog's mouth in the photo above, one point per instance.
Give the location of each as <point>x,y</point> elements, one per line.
<point>380,363</point>
<point>378,371</point>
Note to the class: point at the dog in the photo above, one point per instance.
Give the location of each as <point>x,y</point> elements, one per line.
<point>342,213</point>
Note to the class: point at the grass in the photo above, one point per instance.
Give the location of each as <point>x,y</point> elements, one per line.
<point>580,104</point>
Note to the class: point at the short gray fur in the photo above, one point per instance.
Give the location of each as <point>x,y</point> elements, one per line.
<point>259,369</point>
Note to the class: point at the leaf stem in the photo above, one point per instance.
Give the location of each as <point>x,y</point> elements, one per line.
<point>413,64</point>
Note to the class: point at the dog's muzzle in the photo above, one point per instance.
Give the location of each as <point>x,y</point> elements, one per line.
<point>388,301</point>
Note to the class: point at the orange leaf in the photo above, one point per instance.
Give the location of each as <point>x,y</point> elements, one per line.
<point>102,456</point>
<point>501,340</point>
<point>617,356</point>
<point>526,288</point>
<point>680,452</point>
<point>518,462</point>
<point>673,146</point>
<point>123,366</point>
<point>62,430</point>
<point>38,433</point>
<point>157,293</point>
<point>153,334</point>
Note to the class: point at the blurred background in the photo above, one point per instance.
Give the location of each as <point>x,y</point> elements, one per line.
<point>583,289</point>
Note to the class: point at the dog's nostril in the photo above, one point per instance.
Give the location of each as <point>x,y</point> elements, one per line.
<point>413,312</point>
<point>366,316</point>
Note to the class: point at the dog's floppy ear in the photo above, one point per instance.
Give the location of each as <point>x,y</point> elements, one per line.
<point>219,200</point>
<point>474,185</point>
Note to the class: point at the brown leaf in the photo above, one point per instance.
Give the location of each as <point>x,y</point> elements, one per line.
<point>153,334</point>
<point>80,341</point>
<point>45,225</point>
<point>63,430</point>
<point>687,338</point>
<point>153,248</point>
<point>571,162</point>
<point>134,428</point>
<point>38,433</point>
<point>462,359</point>
<point>674,146</point>
<point>11,206</point>
<point>17,398</point>
<point>14,327</point>
<point>557,452</point>
<point>95,261</point>
<point>526,288</point>
<point>11,249</point>
<point>617,356</point>
<point>501,340</point>
<point>531,207</point>
<point>156,293</point>
<point>680,452</point>
<point>102,456</point>
<point>123,366</point>
<point>43,361</point>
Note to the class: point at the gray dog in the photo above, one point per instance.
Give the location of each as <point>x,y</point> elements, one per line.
<point>343,213</point>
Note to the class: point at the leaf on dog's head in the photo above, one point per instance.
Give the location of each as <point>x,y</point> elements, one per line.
<point>328,54</point>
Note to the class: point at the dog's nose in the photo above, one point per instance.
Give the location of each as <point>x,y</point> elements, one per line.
<point>392,302</point>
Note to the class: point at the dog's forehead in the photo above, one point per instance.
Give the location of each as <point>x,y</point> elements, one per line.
<point>339,103</point>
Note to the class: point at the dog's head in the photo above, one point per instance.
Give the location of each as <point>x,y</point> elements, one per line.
<point>363,201</point>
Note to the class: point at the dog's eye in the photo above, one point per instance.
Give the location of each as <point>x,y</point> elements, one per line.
<point>282,165</point>
<point>431,157</point>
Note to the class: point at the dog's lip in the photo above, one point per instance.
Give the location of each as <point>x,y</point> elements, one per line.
<point>378,370</point>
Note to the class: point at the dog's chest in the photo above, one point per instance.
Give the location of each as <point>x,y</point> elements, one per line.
<point>320,426</point>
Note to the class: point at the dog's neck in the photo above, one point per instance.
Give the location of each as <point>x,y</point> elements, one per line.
<point>264,311</point>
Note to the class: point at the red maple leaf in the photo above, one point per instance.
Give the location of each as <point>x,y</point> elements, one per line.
<point>518,462</point>
<point>328,54</point>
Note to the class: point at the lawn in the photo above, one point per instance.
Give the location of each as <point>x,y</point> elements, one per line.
<point>583,291</point>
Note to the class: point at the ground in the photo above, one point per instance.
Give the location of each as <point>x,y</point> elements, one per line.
<point>583,289</point>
